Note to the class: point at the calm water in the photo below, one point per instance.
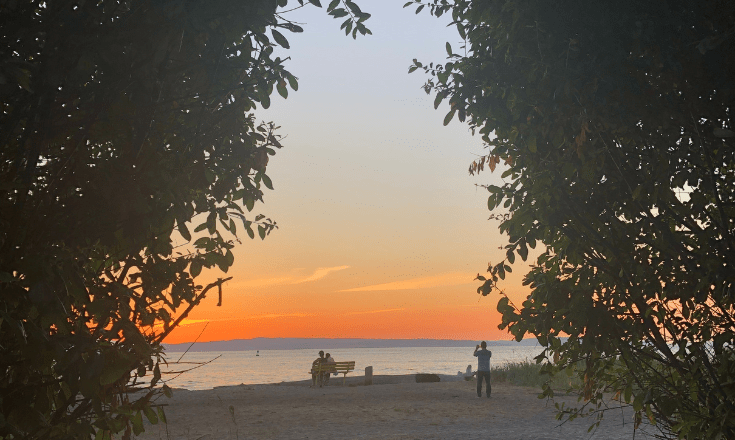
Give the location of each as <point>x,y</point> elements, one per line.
<point>273,366</point>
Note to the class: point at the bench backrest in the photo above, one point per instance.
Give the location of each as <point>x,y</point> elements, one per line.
<point>338,367</point>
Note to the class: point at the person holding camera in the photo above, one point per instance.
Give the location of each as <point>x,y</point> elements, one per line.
<point>483,368</point>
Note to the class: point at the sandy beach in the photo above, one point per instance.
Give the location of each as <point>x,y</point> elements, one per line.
<point>394,407</point>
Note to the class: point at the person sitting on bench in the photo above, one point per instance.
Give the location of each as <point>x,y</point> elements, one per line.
<point>328,359</point>
<point>314,366</point>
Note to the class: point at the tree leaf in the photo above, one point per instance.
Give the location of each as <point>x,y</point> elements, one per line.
<point>339,13</point>
<point>438,100</point>
<point>280,39</point>
<point>267,182</point>
<point>210,176</point>
<point>292,82</point>
<point>184,231</point>
<point>112,374</point>
<point>195,268</point>
<point>353,7</point>
<point>281,87</point>
<point>137,421</point>
<point>249,203</point>
<point>265,101</point>
<point>161,413</point>
<point>212,222</point>
<point>448,117</point>
<point>150,415</point>
<point>532,144</point>
<point>523,251</point>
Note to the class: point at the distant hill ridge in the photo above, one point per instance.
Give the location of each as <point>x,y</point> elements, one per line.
<point>325,343</point>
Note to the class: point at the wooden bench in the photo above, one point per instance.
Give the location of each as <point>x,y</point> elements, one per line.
<point>325,369</point>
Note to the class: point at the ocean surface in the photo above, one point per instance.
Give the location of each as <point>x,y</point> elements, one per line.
<point>274,366</point>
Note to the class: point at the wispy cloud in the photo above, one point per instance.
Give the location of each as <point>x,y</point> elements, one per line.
<point>260,282</point>
<point>367,312</point>
<point>318,274</point>
<point>278,315</point>
<point>441,280</point>
<point>321,273</point>
<point>186,321</point>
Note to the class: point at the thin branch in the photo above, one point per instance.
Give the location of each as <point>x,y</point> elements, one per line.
<point>192,344</point>
<point>196,301</point>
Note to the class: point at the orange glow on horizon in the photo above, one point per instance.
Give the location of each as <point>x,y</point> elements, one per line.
<point>398,324</point>
<point>441,312</point>
<point>373,297</point>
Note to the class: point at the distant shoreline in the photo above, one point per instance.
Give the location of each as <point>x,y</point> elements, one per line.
<point>356,380</point>
<point>330,344</point>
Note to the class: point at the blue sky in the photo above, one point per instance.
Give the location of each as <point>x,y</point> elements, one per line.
<point>376,210</point>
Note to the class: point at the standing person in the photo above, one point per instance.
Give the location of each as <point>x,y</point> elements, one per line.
<point>314,366</point>
<point>483,368</point>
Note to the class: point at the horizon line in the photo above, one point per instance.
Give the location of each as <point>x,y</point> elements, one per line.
<point>354,339</point>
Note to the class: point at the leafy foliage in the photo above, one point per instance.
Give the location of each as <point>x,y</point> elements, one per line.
<point>122,123</point>
<point>615,124</point>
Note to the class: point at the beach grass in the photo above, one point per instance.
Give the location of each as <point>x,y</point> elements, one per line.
<point>528,374</point>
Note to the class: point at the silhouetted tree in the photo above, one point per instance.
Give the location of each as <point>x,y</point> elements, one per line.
<point>122,122</point>
<point>615,124</point>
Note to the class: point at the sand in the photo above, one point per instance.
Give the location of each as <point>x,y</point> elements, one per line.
<point>394,407</point>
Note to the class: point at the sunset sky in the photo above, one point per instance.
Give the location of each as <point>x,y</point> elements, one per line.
<point>381,229</point>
